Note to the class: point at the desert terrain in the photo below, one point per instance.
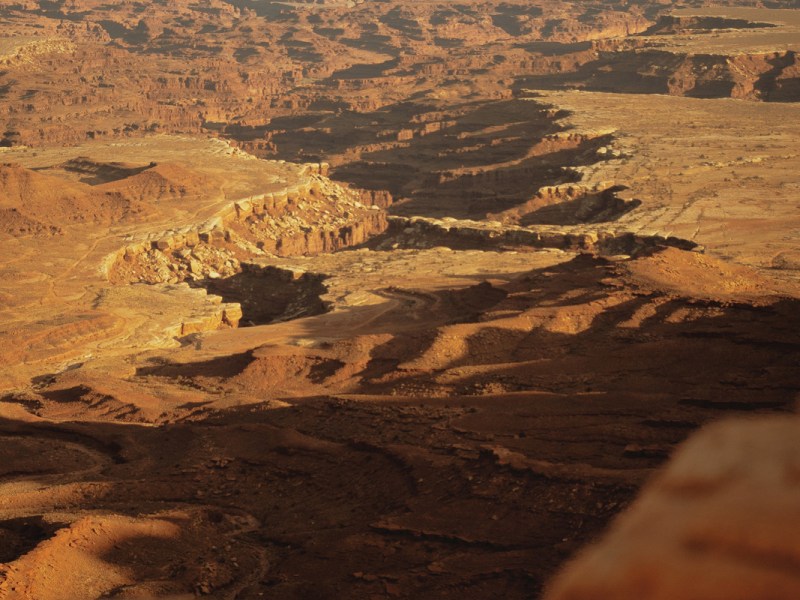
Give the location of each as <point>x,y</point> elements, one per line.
<point>357,299</point>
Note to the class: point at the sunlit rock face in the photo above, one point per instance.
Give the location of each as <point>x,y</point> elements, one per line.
<point>717,522</point>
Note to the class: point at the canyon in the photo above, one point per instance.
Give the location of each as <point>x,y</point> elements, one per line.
<point>356,299</point>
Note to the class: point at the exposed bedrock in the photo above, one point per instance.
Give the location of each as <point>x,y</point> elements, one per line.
<point>461,160</point>
<point>420,232</point>
<point>570,204</point>
<point>269,294</point>
<point>310,218</point>
<point>671,25</point>
<point>505,186</point>
<point>175,70</point>
<point>771,77</point>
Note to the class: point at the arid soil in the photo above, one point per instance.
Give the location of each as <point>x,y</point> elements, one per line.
<point>398,300</point>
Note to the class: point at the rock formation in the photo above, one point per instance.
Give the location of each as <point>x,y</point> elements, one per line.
<point>694,532</point>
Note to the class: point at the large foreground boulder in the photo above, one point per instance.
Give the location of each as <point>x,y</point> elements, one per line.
<point>722,522</point>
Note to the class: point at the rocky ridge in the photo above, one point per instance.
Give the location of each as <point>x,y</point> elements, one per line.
<point>316,216</point>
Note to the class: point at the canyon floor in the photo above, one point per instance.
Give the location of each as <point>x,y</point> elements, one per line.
<point>399,300</point>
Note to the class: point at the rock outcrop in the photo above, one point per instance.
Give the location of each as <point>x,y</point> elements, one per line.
<point>420,232</point>
<point>309,218</point>
<point>720,522</point>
